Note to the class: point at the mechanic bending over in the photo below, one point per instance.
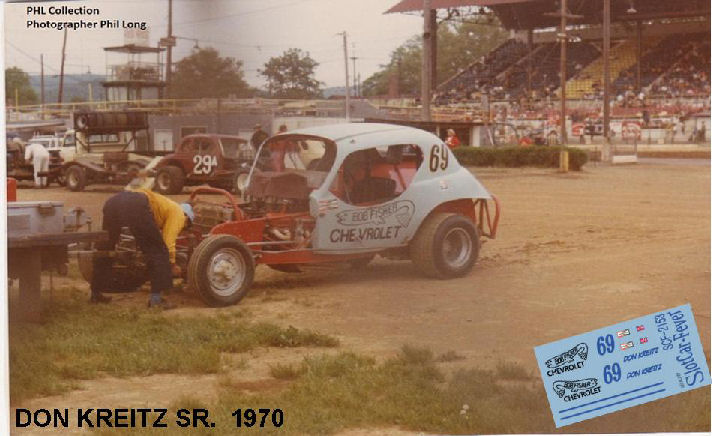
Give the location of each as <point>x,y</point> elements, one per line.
<point>155,222</point>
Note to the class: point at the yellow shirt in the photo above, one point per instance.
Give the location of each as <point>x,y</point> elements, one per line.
<point>169,218</point>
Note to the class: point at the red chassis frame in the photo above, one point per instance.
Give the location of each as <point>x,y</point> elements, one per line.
<point>251,231</point>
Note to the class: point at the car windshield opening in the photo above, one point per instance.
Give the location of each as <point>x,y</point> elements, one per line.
<point>297,153</point>
<point>232,147</point>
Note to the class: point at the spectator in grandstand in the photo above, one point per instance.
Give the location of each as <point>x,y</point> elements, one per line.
<point>701,133</point>
<point>641,99</point>
<point>526,140</point>
<point>452,140</point>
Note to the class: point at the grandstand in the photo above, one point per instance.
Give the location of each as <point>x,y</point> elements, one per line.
<point>479,75</point>
<point>671,67</point>
<point>667,57</point>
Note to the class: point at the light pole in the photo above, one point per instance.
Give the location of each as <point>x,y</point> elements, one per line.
<point>562,73</point>
<point>563,38</point>
<point>346,69</point>
<point>426,75</point>
<point>169,47</point>
<point>606,77</point>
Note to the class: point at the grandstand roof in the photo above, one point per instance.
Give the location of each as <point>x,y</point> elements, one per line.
<point>530,14</point>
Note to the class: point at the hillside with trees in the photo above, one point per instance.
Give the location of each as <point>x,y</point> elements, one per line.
<point>459,44</point>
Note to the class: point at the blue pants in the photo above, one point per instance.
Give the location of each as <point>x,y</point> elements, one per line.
<point>131,209</point>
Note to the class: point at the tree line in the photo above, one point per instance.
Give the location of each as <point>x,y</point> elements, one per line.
<point>206,74</point>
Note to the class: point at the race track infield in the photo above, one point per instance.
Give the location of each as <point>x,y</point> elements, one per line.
<point>574,252</point>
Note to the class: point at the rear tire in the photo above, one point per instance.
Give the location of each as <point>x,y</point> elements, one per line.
<point>169,180</point>
<point>75,178</point>
<point>446,246</point>
<point>221,270</point>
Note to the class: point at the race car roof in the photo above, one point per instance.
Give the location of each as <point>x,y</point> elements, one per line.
<point>360,134</point>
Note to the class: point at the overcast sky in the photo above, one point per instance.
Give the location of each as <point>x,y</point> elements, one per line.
<point>248,30</point>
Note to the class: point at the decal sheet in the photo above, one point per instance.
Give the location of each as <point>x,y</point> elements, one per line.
<point>620,366</point>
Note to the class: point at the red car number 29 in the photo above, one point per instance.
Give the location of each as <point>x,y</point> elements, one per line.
<point>204,163</point>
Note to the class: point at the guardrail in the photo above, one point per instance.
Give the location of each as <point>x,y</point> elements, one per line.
<point>226,105</point>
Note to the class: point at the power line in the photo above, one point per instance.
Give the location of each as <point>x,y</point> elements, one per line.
<point>39,62</point>
<point>29,55</point>
<point>239,14</point>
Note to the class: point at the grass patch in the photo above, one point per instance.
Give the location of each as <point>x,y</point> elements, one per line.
<point>73,271</point>
<point>332,393</point>
<point>79,341</point>
<point>285,372</point>
<point>511,371</point>
<point>450,356</point>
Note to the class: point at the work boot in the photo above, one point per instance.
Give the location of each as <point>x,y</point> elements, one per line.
<point>160,303</point>
<point>99,298</point>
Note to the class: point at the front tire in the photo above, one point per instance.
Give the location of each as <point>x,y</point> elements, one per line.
<point>169,180</point>
<point>75,178</point>
<point>221,270</point>
<point>446,246</point>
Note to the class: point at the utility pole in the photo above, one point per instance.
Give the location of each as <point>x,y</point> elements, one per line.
<point>353,58</point>
<point>433,48</point>
<point>606,76</point>
<point>346,69</point>
<point>398,78</point>
<point>426,74</point>
<point>562,85</point>
<point>564,37</point>
<point>530,48</point>
<point>638,53</point>
<point>61,69</point>
<point>42,95</point>
<point>169,48</point>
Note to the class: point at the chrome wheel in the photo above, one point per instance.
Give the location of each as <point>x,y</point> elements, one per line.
<point>226,271</point>
<point>457,247</point>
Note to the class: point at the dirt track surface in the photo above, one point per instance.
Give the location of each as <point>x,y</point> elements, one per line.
<point>574,252</point>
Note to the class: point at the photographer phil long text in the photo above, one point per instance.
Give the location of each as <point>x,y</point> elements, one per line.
<point>81,11</point>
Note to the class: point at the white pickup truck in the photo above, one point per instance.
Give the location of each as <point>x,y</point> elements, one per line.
<point>66,144</point>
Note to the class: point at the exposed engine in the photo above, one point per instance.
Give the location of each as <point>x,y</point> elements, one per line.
<point>282,192</point>
<point>256,207</point>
